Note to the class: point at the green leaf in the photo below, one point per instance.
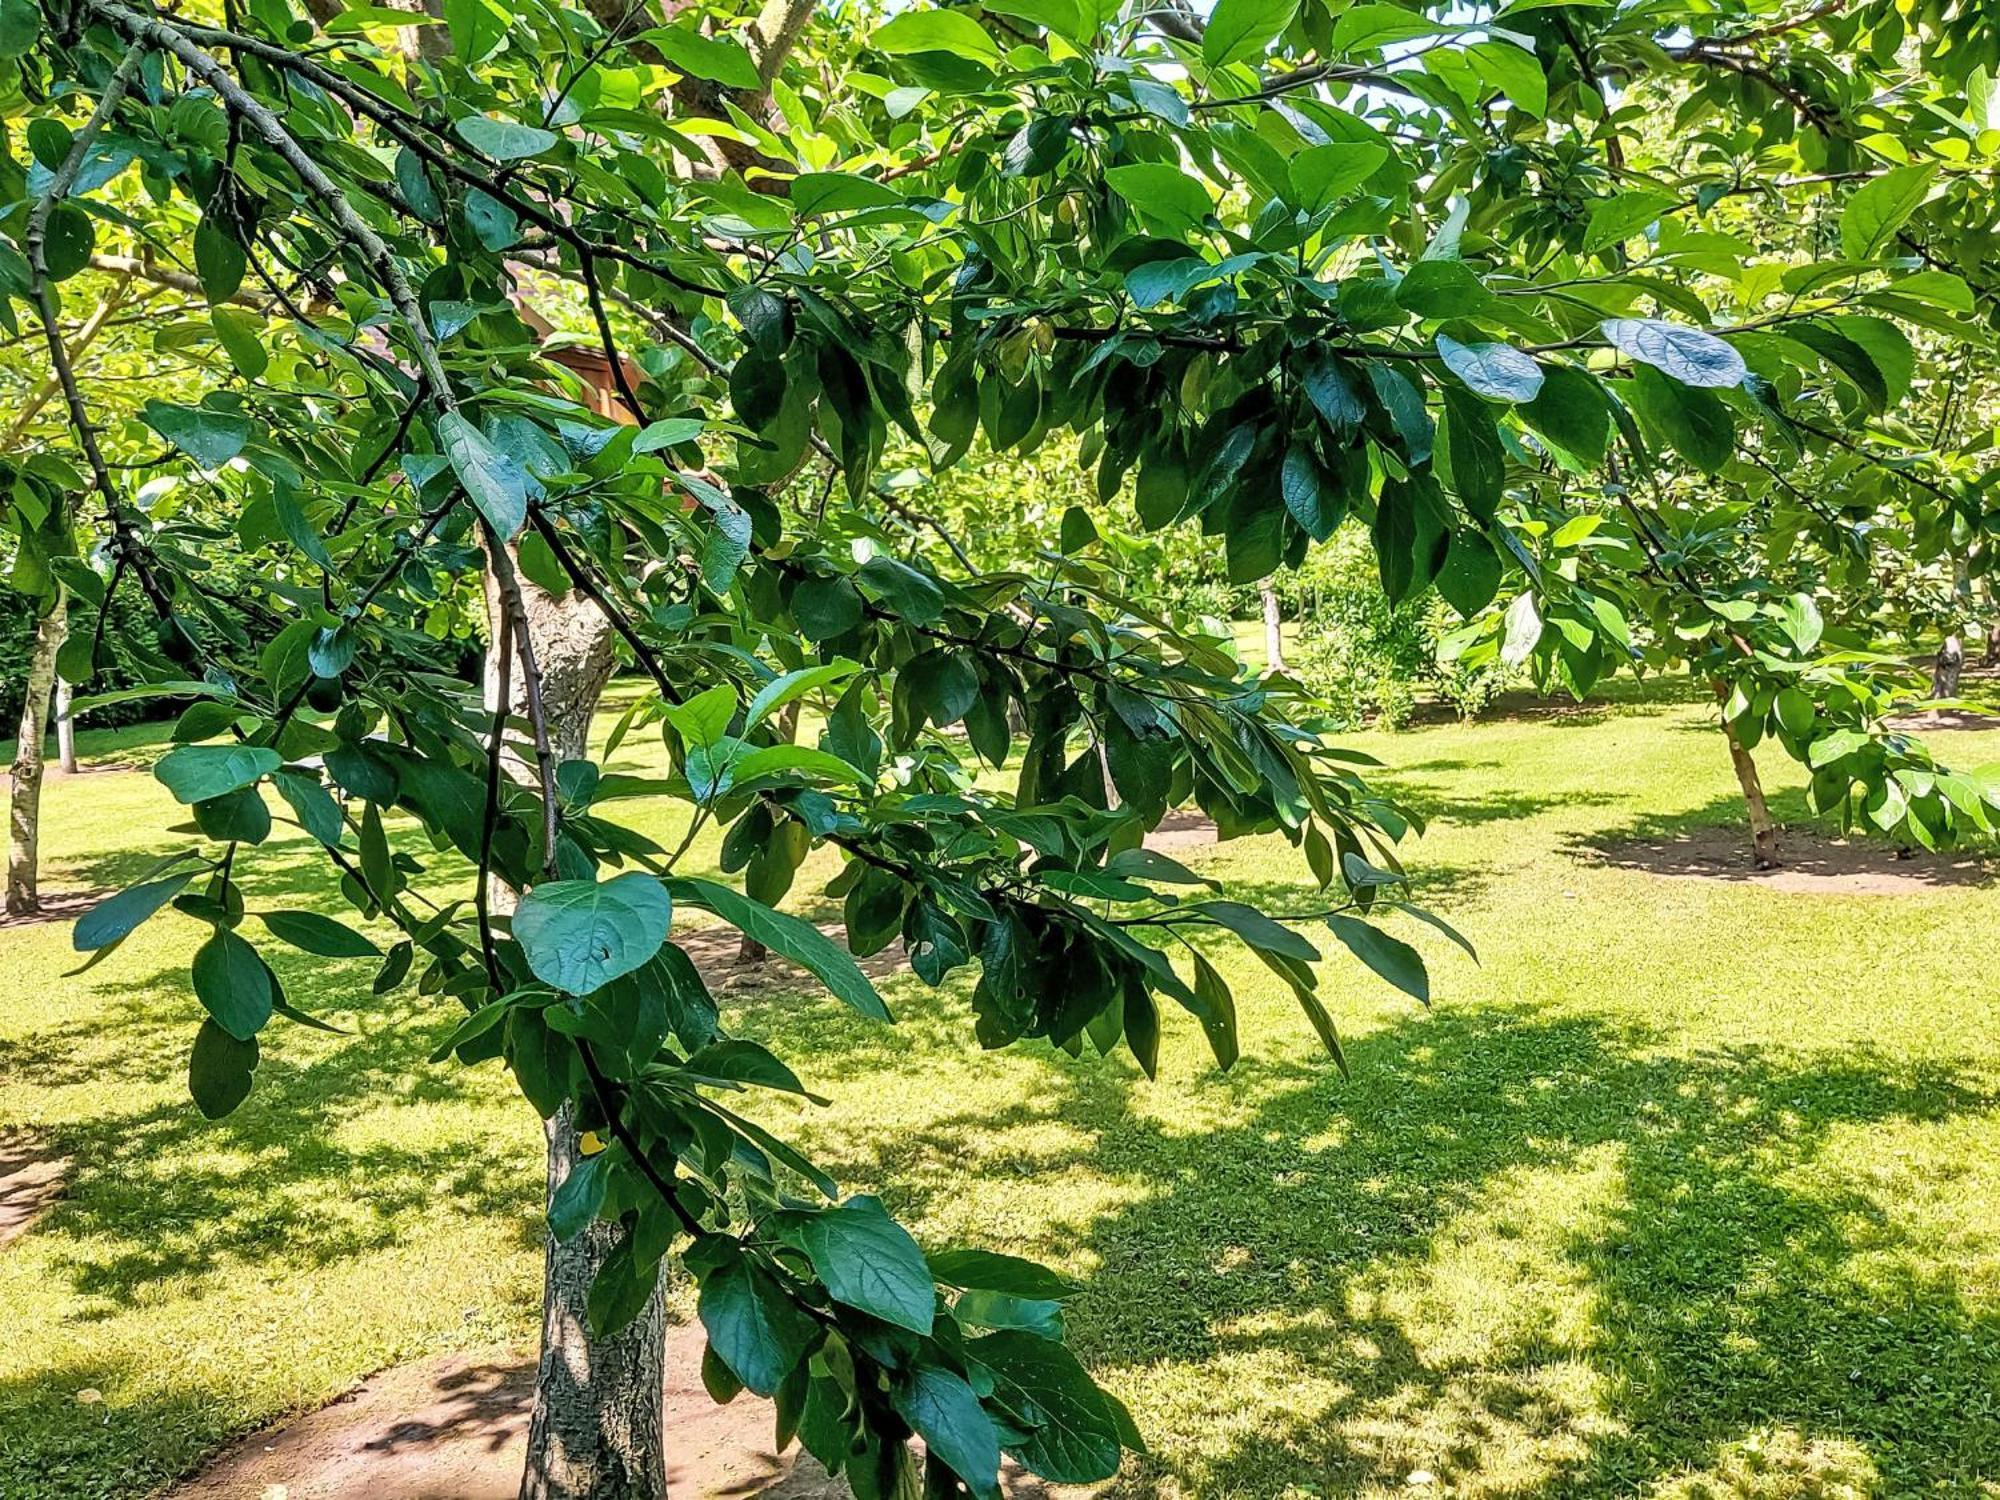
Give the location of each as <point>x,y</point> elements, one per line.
<point>1067,1431</point>
<point>201,773</point>
<point>1615,220</point>
<point>868,1261</point>
<point>497,484</point>
<point>1367,27</point>
<point>946,1414</point>
<point>989,1271</point>
<point>776,693</point>
<point>1523,631</point>
<point>239,331</point>
<point>317,934</point>
<point>668,434</point>
<point>1572,412</point>
<point>219,1070</point>
<point>752,1326</point>
<point>20,25</point>
<point>1881,207</point>
<point>210,438</point>
<point>573,1206</point>
<point>1392,958</point>
<point>504,140</point>
<point>1258,930</point>
<point>579,935</point>
<point>1693,420</point>
<point>1497,371</point>
<point>219,262</point>
<point>1690,355</point>
<point>232,982</point>
<point>114,919</point>
<point>72,236</point>
<point>1442,289</point>
<point>1165,195</point>
<point>950,31</point>
<point>840,192</point>
<point>1240,29</point>
<point>312,805</point>
<point>1470,576</point>
<point>722,59</point>
<point>801,942</point>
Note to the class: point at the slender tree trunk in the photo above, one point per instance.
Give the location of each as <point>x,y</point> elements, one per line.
<point>749,951</point>
<point>25,813</point>
<point>1274,629</point>
<point>65,730</point>
<point>1763,831</point>
<point>595,1433</point>
<point>1946,669</point>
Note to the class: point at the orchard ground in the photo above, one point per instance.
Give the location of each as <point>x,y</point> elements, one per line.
<point>1690,1187</point>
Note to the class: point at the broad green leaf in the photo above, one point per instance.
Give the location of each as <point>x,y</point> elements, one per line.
<point>1069,1433</point>
<point>722,59</point>
<point>579,935</point>
<point>1322,175</point>
<point>1165,195</point>
<point>1523,631</point>
<point>1362,28</point>
<point>867,1260</point>
<point>990,1271</point>
<point>1392,958</point>
<point>504,140</point>
<point>1615,220</point>
<point>801,942</point>
<point>1240,29</point>
<point>232,982</point>
<point>1690,355</point>
<point>219,1070</point>
<point>317,934</point>
<point>752,1325</point>
<point>950,31</point>
<point>210,438</point>
<point>201,773</point>
<point>946,1414</point>
<point>496,482</point>
<point>1496,371</point>
<point>1880,207</point>
<point>113,919</point>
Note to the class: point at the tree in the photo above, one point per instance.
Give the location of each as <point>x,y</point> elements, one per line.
<point>1271,270</point>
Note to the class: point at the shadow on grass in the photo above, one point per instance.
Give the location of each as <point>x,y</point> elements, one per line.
<point>1712,841</point>
<point>1724,1297</point>
<point>160,1192</point>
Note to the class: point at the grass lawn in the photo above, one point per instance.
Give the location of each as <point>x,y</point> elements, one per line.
<point>1692,1187</point>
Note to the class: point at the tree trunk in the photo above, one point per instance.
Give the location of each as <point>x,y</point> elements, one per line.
<point>1763,832</point>
<point>595,1433</point>
<point>1946,669</point>
<point>25,814</point>
<point>749,951</point>
<point>1274,629</point>
<point>65,730</point>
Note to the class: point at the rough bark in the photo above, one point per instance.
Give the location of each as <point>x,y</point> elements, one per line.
<point>1274,629</point>
<point>25,812</point>
<point>595,1433</point>
<point>1946,668</point>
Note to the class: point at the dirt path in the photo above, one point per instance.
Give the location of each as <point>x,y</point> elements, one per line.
<point>1812,864</point>
<point>456,1428</point>
<point>31,1178</point>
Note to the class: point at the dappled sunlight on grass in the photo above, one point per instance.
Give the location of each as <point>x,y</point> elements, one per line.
<point>1688,1188</point>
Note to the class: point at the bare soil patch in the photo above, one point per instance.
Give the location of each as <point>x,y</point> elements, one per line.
<point>57,906</point>
<point>1945,718</point>
<point>31,1178</point>
<point>1183,828</point>
<point>1812,863</point>
<point>456,1428</point>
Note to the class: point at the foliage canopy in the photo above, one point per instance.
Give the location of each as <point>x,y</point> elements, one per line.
<point>1439,274</point>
